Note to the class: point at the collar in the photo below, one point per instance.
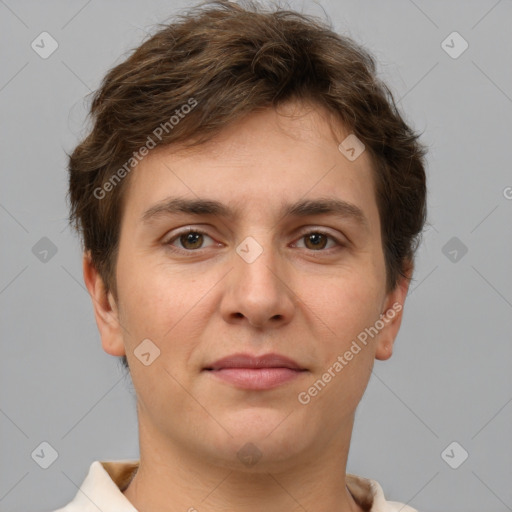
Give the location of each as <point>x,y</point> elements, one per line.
<point>105,481</point>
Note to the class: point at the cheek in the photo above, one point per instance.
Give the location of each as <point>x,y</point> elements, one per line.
<point>166,307</point>
<point>347,352</point>
<point>348,300</point>
<point>347,303</point>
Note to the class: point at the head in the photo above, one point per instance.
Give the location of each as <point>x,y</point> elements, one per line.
<point>239,114</point>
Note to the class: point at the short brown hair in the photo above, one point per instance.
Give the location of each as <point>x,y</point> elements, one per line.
<point>223,61</point>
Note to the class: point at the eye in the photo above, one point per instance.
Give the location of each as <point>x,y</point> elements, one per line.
<point>194,239</point>
<point>189,240</point>
<point>318,240</point>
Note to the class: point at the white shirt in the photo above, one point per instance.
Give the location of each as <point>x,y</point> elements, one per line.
<point>103,486</point>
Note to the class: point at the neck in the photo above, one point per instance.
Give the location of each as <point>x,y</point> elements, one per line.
<point>172,478</point>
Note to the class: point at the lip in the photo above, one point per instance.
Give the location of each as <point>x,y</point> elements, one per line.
<point>255,372</point>
<point>254,362</point>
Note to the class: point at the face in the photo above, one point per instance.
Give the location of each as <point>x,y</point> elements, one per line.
<point>264,242</point>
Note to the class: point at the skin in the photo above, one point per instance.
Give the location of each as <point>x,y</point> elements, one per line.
<point>198,305</point>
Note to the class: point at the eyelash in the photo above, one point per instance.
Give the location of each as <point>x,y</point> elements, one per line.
<point>169,242</point>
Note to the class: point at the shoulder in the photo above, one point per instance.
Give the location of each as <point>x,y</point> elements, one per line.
<point>101,488</point>
<point>370,496</point>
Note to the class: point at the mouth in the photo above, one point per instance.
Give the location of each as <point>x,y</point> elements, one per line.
<point>255,372</point>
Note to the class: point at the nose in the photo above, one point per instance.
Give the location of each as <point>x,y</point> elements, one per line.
<point>258,291</point>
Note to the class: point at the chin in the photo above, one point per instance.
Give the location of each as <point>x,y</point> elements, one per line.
<point>259,441</point>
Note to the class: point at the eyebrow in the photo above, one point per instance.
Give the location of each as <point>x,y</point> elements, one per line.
<point>302,208</point>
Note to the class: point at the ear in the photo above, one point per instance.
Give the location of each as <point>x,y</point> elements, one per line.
<point>392,313</point>
<point>105,309</point>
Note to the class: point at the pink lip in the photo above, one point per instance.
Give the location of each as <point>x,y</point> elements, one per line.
<point>251,372</point>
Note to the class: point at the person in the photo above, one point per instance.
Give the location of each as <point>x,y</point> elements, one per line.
<point>249,200</point>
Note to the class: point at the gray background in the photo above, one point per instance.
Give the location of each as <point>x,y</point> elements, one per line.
<point>449,379</point>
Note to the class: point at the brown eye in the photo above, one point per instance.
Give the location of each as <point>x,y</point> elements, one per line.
<point>318,241</point>
<point>315,241</point>
<point>192,240</point>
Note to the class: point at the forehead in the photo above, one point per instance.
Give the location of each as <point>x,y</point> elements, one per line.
<point>267,157</point>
